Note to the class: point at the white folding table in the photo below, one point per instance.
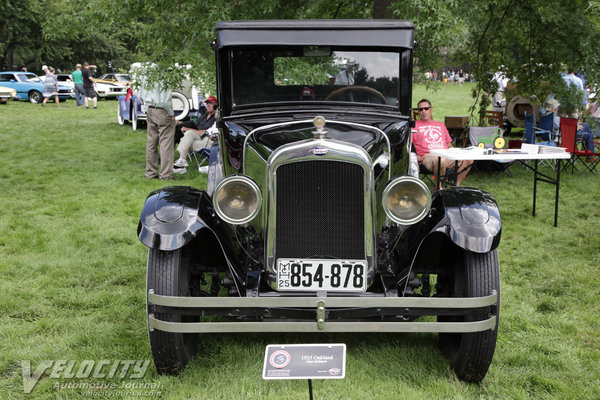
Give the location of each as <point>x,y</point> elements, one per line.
<point>459,154</point>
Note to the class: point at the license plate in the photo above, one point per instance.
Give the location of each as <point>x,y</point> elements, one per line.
<point>328,275</point>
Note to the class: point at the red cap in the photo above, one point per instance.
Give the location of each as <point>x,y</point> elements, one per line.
<point>211,99</point>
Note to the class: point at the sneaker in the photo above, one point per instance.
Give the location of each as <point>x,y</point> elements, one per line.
<point>180,163</point>
<point>179,170</point>
<point>203,170</point>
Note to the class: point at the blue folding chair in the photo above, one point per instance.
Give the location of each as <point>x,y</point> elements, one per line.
<point>200,157</point>
<point>529,128</point>
<point>545,130</point>
<point>531,131</point>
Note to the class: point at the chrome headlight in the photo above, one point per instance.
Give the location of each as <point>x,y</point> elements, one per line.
<point>406,200</point>
<point>237,199</point>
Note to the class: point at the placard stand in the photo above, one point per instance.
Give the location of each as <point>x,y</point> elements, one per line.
<point>305,361</point>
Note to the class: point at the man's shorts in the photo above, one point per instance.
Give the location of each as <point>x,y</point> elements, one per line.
<point>90,92</point>
<point>430,160</point>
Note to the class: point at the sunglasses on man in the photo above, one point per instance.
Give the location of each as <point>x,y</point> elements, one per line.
<point>424,108</point>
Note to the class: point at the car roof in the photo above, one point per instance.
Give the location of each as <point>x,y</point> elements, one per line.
<point>355,33</point>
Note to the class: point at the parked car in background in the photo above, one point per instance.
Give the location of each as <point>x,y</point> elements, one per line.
<point>109,90</point>
<point>30,87</point>
<point>187,102</point>
<point>6,94</point>
<point>311,220</point>
<point>132,108</point>
<point>64,79</point>
<point>123,79</point>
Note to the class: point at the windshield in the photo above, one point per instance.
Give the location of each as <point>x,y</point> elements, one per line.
<point>28,77</point>
<point>312,73</point>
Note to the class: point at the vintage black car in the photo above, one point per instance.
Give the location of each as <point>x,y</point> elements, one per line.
<point>311,221</point>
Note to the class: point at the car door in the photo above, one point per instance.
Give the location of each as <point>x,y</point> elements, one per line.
<point>10,80</point>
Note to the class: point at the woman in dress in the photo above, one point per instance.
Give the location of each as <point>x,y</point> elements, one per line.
<point>50,87</point>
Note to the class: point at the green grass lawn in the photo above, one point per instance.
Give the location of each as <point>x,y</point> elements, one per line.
<point>72,279</point>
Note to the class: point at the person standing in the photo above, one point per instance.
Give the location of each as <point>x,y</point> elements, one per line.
<point>160,121</point>
<point>50,86</point>
<point>346,76</point>
<point>88,86</point>
<point>78,82</point>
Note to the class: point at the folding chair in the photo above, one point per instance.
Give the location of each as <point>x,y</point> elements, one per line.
<point>429,176</point>
<point>531,132</point>
<point>479,135</point>
<point>545,130</point>
<point>200,157</point>
<point>449,178</point>
<point>568,127</point>
<point>495,118</point>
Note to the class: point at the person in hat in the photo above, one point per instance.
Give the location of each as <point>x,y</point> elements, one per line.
<point>196,138</point>
<point>346,76</point>
<point>50,86</point>
<point>78,82</point>
<point>551,106</point>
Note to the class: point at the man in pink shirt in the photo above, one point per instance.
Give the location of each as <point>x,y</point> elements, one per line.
<point>432,135</point>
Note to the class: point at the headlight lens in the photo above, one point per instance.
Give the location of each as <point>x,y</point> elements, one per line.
<point>406,200</point>
<point>237,200</point>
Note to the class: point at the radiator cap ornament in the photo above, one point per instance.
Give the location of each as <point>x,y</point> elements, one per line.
<point>319,123</point>
<point>319,151</point>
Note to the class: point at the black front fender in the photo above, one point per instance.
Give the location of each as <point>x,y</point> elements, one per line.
<point>469,217</point>
<point>169,218</point>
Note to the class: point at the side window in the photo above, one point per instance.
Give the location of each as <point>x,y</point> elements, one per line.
<point>6,77</point>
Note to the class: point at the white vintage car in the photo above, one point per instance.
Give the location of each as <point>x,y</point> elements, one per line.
<point>110,90</point>
<point>103,88</point>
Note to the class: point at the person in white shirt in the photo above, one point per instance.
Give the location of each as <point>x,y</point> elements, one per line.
<point>347,75</point>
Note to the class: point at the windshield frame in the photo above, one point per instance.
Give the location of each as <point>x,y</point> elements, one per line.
<point>392,90</point>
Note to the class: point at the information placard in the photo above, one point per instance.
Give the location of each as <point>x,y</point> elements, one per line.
<point>305,361</point>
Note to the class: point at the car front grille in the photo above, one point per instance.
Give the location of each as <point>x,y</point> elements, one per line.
<point>320,210</point>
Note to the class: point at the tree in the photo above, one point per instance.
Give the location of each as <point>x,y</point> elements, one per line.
<point>20,32</point>
<point>534,42</point>
<point>531,41</point>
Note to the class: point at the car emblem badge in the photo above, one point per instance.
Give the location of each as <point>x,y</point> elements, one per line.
<point>319,151</point>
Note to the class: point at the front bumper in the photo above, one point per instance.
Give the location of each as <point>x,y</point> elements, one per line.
<point>321,306</point>
<point>111,92</point>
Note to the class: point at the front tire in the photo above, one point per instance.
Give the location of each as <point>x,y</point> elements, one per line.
<point>35,97</point>
<point>169,276</point>
<point>470,354</point>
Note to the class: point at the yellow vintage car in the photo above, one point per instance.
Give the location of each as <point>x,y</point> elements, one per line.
<point>6,94</point>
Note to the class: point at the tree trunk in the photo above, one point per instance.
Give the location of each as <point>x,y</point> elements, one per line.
<point>381,9</point>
